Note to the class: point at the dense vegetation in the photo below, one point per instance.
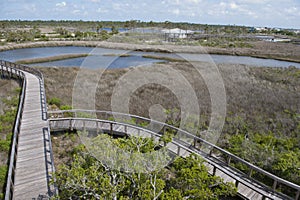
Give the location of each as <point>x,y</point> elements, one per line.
<point>225,36</point>
<point>262,121</point>
<point>6,127</point>
<point>90,178</point>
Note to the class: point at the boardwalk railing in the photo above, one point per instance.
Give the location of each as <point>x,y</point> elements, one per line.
<point>12,164</point>
<point>13,70</point>
<point>190,142</point>
<point>183,141</point>
<point>12,66</point>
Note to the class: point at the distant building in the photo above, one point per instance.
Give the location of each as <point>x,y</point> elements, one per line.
<point>177,33</point>
<point>261,29</point>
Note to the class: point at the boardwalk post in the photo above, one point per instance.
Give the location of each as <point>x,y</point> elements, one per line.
<point>229,160</point>
<point>211,151</point>
<point>236,183</point>
<point>97,127</point>
<point>250,172</point>
<point>151,135</point>
<point>70,125</point>
<point>214,170</point>
<point>111,129</point>
<point>297,195</point>
<point>274,185</point>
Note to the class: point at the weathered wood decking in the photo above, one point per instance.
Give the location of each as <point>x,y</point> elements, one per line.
<point>32,171</point>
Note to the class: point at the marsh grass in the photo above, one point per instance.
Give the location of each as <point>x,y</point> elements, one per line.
<point>52,58</point>
<point>9,99</point>
<point>117,55</point>
<point>169,59</point>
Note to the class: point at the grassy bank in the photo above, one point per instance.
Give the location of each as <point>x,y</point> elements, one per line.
<point>52,58</point>
<point>164,58</point>
<point>117,55</point>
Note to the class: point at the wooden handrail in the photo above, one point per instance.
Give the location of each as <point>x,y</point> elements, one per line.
<point>254,168</point>
<point>18,70</point>
<point>16,131</point>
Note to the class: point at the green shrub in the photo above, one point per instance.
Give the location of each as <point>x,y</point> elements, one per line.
<point>55,101</point>
<point>3,172</point>
<point>66,107</point>
<point>5,144</point>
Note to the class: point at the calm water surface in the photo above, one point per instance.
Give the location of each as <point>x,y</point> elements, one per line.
<point>99,60</point>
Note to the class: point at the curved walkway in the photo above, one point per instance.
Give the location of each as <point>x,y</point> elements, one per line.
<point>31,159</point>
<point>182,144</point>
<point>30,162</point>
<point>31,172</point>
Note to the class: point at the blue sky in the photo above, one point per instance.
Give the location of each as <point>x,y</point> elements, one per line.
<point>270,13</point>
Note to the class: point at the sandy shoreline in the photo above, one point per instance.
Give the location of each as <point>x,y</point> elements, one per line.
<point>278,51</point>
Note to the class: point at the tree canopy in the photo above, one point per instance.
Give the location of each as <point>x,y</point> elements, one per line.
<point>186,178</point>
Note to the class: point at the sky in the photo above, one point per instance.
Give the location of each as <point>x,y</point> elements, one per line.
<point>258,13</point>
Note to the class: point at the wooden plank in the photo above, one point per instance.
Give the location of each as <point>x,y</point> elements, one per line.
<point>31,173</point>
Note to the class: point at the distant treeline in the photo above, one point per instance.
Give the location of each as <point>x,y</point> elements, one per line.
<point>123,24</point>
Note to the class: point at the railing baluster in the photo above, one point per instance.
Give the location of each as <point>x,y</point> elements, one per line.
<point>70,125</point>
<point>178,150</point>
<point>97,127</point>
<point>111,129</point>
<point>229,160</point>
<point>274,185</point>
<point>236,183</point>
<point>214,170</point>
<point>298,195</point>
<point>250,172</point>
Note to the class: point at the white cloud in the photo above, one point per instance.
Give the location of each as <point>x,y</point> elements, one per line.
<point>61,4</point>
<point>30,7</point>
<point>117,6</point>
<point>292,10</point>
<point>194,1</point>
<point>76,11</point>
<point>234,6</point>
<point>101,10</point>
<point>176,11</point>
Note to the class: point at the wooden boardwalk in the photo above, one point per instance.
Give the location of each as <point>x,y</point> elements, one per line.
<point>31,161</point>
<point>31,172</point>
<point>247,188</point>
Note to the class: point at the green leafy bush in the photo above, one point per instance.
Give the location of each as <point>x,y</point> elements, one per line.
<point>90,178</point>
<point>55,101</point>
<point>3,172</point>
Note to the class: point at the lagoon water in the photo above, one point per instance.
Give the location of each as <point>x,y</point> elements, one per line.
<point>98,57</point>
